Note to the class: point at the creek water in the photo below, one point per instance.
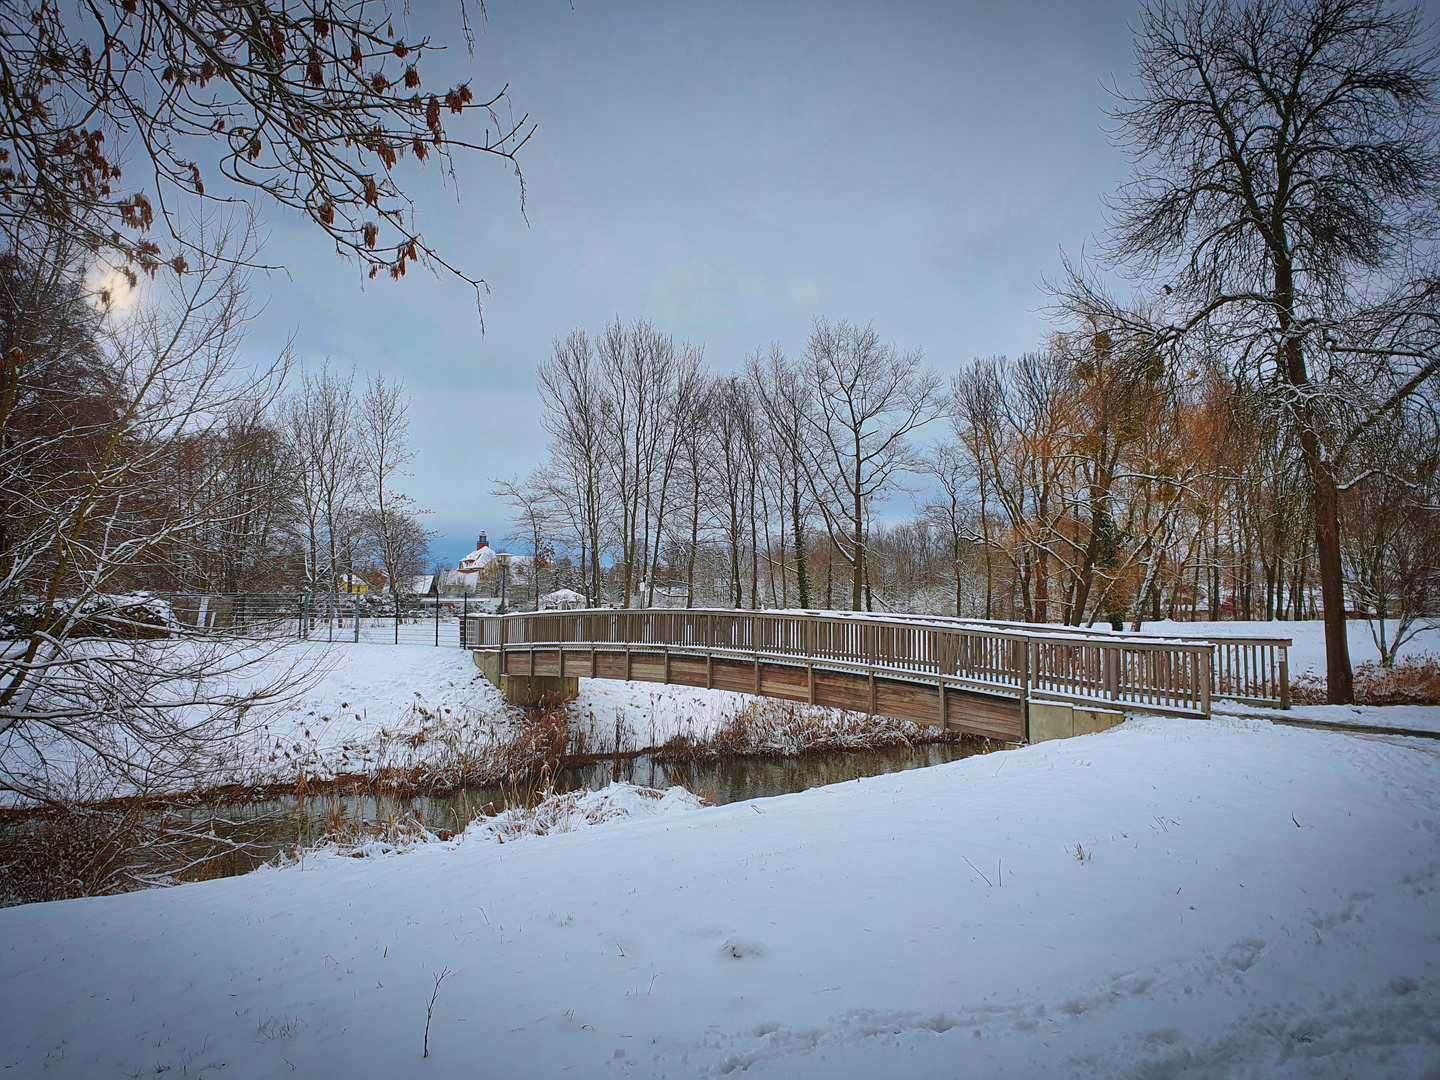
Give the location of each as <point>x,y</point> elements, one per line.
<point>280,826</point>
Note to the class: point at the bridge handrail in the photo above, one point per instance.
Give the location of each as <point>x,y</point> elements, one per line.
<point>1166,673</point>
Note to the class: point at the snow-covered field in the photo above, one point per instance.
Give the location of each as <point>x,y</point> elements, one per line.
<point>1307,649</point>
<point>1220,898</point>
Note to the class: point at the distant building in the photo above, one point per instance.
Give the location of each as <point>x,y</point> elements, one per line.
<point>478,572</point>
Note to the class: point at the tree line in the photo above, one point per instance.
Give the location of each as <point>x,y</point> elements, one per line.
<point>140,453</point>
<point>1081,482</point>
<point>1251,432</point>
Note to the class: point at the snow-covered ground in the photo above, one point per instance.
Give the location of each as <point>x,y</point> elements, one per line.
<point>1221,898</point>
<point>1402,717</point>
<point>1307,649</point>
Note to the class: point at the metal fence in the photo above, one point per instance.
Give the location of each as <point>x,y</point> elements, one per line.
<point>354,617</point>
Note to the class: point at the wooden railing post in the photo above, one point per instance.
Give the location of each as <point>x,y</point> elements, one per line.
<point>1025,667</point>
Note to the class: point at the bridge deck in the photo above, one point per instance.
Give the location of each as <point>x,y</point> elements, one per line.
<point>976,677</point>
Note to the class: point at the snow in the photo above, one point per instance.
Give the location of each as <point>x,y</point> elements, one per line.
<point>1245,900</point>
<point>572,811</point>
<point>1404,717</point>
<point>1307,648</point>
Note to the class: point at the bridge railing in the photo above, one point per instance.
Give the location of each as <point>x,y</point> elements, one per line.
<point>1122,670</point>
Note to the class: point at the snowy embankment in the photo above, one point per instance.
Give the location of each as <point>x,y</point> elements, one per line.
<point>417,709</point>
<point>1213,898</point>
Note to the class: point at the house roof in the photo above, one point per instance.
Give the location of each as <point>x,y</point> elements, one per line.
<point>482,557</point>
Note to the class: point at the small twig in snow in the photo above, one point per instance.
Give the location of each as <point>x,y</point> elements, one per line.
<point>977,870</point>
<point>430,1009</point>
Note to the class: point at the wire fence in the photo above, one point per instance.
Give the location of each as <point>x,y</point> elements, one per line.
<point>332,617</point>
<point>356,617</point>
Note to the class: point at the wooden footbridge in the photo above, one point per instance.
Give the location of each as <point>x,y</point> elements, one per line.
<point>1002,680</point>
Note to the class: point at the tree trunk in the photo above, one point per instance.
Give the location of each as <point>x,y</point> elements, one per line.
<point>802,573</point>
<point>1339,679</point>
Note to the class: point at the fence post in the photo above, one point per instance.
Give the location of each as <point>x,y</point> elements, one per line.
<point>1025,676</point>
<point>464,616</point>
<point>357,616</point>
<point>396,595</point>
<point>437,618</point>
<point>1204,657</point>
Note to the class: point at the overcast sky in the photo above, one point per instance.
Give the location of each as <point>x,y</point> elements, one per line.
<point>730,171</point>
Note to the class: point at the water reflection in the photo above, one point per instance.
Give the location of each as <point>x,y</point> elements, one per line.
<point>278,826</point>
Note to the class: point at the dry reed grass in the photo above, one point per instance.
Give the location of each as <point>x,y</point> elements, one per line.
<point>776,729</point>
<point>1412,681</point>
<point>66,851</point>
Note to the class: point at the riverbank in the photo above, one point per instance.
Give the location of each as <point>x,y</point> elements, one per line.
<point>416,719</point>
<point>1218,898</point>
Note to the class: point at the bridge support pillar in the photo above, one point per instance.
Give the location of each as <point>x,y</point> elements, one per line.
<point>1058,720</point>
<point>525,690</point>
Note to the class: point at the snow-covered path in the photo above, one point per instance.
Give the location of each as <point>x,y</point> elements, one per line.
<point>1251,901</point>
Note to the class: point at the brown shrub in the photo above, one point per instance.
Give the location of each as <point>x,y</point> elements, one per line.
<point>1413,681</point>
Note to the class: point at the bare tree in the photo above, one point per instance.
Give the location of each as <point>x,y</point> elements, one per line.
<point>955,513</point>
<point>98,694</point>
<point>639,366</point>
<point>535,518</point>
<point>321,419</point>
<point>1391,530</point>
<point>866,398</point>
<point>382,450</point>
<point>733,430</point>
<point>696,450</point>
<point>574,412</point>
<point>681,412</point>
<point>782,394</point>
<point>1284,194</point>
<point>245,464</point>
